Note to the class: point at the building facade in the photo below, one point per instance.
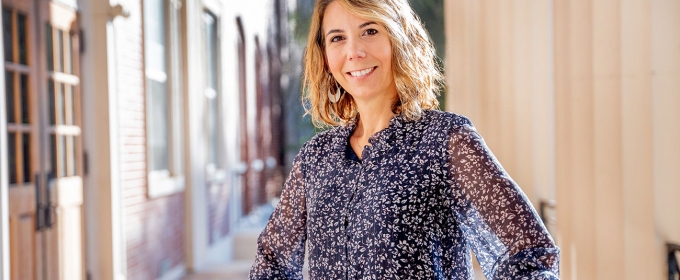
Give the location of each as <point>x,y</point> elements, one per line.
<point>139,133</point>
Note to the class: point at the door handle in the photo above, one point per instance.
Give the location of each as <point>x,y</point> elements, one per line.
<point>45,212</point>
<point>50,210</point>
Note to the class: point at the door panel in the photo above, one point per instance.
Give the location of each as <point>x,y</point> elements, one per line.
<point>61,84</point>
<point>68,195</point>
<point>22,233</point>
<point>26,258</point>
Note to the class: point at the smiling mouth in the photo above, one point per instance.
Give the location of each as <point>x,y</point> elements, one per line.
<point>362,72</point>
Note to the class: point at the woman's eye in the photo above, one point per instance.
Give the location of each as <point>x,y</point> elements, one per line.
<point>371,32</point>
<point>336,38</point>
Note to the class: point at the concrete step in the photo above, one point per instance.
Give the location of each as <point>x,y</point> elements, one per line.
<point>235,270</point>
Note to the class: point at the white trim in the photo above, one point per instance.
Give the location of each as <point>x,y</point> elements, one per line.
<point>4,211</point>
<point>160,184</point>
<point>73,4</point>
<point>65,130</point>
<point>231,93</point>
<point>103,213</point>
<point>214,6</point>
<point>196,234</point>
<point>175,274</point>
<point>156,75</point>
<point>64,78</point>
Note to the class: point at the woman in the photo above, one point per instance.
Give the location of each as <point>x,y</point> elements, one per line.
<point>397,190</point>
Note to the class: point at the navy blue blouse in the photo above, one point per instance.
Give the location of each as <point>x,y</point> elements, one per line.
<point>423,195</point>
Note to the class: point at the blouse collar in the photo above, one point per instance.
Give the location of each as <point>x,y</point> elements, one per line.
<point>382,139</point>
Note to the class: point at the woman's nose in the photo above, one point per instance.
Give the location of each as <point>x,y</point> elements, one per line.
<point>355,49</point>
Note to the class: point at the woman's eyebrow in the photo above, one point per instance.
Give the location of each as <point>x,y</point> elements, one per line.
<point>334,31</point>
<point>366,24</point>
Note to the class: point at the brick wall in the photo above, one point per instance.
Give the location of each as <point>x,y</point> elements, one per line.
<point>153,227</point>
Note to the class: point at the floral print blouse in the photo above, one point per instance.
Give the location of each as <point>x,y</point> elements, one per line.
<point>424,193</point>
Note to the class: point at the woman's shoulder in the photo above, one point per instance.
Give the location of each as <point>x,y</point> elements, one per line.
<point>326,140</point>
<point>443,121</point>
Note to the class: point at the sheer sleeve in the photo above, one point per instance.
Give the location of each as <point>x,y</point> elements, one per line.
<point>281,246</point>
<point>498,221</point>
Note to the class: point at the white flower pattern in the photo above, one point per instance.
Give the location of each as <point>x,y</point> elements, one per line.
<point>423,195</point>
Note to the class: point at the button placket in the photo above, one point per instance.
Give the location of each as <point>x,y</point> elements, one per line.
<point>348,210</point>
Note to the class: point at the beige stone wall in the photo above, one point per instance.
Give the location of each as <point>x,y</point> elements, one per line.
<point>580,101</point>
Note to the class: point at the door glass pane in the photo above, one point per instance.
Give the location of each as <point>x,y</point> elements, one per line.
<point>26,149</point>
<point>72,97</point>
<point>25,114</point>
<point>9,93</point>
<point>53,153</point>
<point>12,154</point>
<point>22,36</point>
<point>70,147</point>
<point>60,103</point>
<point>58,155</point>
<point>50,47</point>
<point>60,51</point>
<point>67,52</point>
<point>50,97</point>
<point>68,113</point>
<point>158,126</point>
<point>210,22</point>
<point>211,49</point>
<point>7,33</point>
<point>62,108</point>
<point>154,35</point>
<point>70,50</point>
<point>212,131</point>
<point>61,154</point>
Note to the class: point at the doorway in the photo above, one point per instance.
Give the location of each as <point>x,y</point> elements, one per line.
<point>41,44</point>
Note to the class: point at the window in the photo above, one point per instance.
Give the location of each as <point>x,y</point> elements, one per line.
<point>213,150</point>
<point>161,57</point>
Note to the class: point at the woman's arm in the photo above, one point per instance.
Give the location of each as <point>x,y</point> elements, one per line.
<point>281,246</point>
<point>498,221</point>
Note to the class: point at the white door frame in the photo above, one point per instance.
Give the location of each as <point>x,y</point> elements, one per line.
<point>104,226</point>
<point>195,212</point>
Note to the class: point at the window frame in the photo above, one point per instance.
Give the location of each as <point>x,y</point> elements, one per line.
<point>214,170</point>
<point>168,181</point>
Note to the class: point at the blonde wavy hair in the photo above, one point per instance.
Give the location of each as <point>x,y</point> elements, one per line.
<point>416,73</point>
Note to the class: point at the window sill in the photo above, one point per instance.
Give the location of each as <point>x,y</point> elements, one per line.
<point>161,184</point>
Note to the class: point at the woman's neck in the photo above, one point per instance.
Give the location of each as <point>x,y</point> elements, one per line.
<point>373,117</point>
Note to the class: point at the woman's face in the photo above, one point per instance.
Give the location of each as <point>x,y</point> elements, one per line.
<point>359,54</point>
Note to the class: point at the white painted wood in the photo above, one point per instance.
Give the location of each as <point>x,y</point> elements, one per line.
<point>666,101</point>
<point>607,134</point>
<point>196,235</point>
<point>105,247</point>
<point>637,131</point>
<point>161,184</point>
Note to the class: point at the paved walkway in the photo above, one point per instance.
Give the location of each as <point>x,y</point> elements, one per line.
<point>244,246</point>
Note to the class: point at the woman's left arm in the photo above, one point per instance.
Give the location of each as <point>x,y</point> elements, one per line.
<point>498,221</point>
